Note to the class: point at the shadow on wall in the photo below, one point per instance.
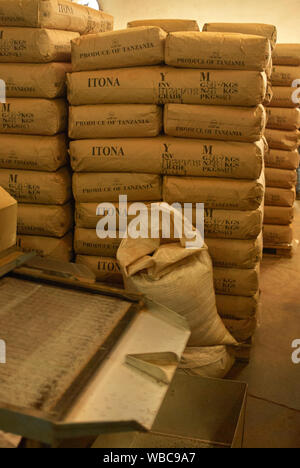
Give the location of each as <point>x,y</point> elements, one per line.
<point>283,14</point>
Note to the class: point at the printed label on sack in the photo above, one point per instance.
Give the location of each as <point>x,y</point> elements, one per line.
<point>10,119</point>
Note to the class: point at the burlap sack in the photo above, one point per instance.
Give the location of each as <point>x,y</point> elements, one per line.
<point>168,25</point>
<point>282,97</point>
<point>257,29</point>
<point>241,330</point>
<point>281,178</point>
<point>282,159</point>
<point>115,121</point>
<point>33,116</point>
<point>215,122</point>
<point>91,187</point>
<point>279,215</point>
<point>161,85</point>
<point>217,50</point>
<point>285,75</point>
<point>54,14</point>
<point>283,139</point>
<point>45,220</point>
<point>231,253</point>
<point>8,220</point>
<point>33,153</point>
<point>168,275</point>
<point>283,119</point>
<point>237,282</point>
<point>86,242</point>
<point>237,307</point>
<point>44,188</point>
<point>119,49</point>
<point>59,249</point>
<point>30,45</point>
<point>280,197</point>
<point>215,193</point>
<point>35,80</point>
<point>227,224</point>
<point>169,156</point>
<point>212,361</point>
<point>287,54</point>
<point>105,269</point>
<point>274,235</point>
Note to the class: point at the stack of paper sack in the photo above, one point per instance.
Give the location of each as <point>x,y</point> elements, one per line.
<point>35,53</point>
<point>282,161</point>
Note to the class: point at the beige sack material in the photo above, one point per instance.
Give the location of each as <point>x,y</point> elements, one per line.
<point>59,249</point>
<point>237,307</point>
<point>283,139</point>
<point>213,362</point>
<point>242,330</point>
<point>169,156</point>
<point>35,80</point>
<point>161,85</point>
<point>33,153</point>
<point>229,253</point>
<point>106,269</point>
<point>257,29</point>
<point>168,25</point>
<point>217,50</point>
<point>279,215</point>
<point>93,187</point>
<point>227,224</point>
<point>280,197</point>
<point>281,178</point>
<point>119,49</point>
<point>33,116</point>
<point>28,45</point>
<point>237,282</point>
<point>218,223</point>
<point>86,242</point>
<point>285,75</point>
<point>215,122</point>
<point>215,193</point>
<point>44,188</point>
<point>287,54</point>
<point>282,97</point>
<point>282,159</point>
<point>54,14</point>
<point>283,119</point>
<point>168,275</point>
<point>8,220</point>
<point>274,235</point>
<point>115,121</point>
<point>45,220</point>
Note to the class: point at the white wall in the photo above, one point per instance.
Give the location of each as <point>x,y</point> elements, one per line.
<point>285,14</point>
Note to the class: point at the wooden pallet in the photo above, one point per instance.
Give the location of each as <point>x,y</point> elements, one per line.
<point>280,251</point>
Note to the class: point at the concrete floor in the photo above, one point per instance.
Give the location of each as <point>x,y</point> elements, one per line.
<point>273,415</point>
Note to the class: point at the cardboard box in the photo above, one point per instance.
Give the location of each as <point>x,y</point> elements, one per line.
<point>35,80</point>
<point>119,49</point>
<point>29,45</point>
<point>215,122</point>
<point>115,121</point>
<point>8,220</point>
<point>258,29</point>
<point>33,116</point>
<point>218,50</point>
<point>162,85</point>
<point>54,14</point>
<point>169,156</point>
<point>168,25</point>
<point>34,153</point>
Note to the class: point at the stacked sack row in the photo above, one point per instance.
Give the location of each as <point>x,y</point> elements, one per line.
<point>212,151</point>
<point>282,161</point>
<point>35,55</point>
